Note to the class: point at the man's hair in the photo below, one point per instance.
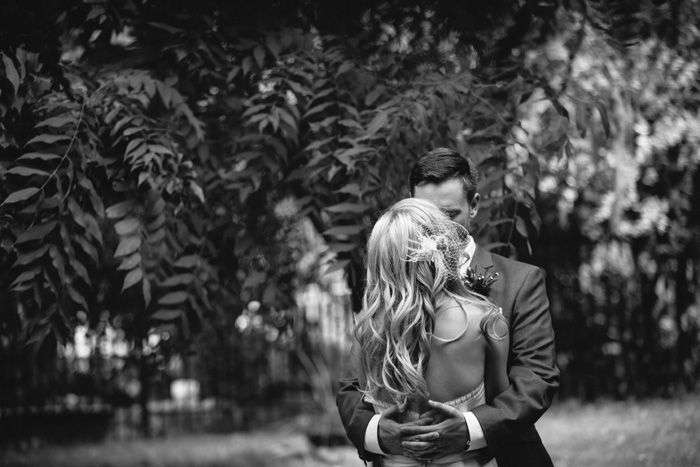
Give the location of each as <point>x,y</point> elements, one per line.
<point>442,164</point>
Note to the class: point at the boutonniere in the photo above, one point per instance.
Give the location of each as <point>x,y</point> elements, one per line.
<point>480,282</point>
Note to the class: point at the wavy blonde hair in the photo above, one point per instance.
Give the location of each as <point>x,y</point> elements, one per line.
<point>395,325</point>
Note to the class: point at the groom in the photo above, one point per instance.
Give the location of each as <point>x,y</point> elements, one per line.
<point>506,426</point>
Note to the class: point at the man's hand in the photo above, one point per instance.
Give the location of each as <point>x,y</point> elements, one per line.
<point>449,434</point>
<point>389,430</point>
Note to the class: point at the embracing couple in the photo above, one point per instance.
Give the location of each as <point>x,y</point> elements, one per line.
<point>442,373</point>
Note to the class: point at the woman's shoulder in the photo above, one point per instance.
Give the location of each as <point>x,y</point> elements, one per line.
<point>493,324</point>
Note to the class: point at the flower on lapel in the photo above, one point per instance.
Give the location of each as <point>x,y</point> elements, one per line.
<point>479,282</point>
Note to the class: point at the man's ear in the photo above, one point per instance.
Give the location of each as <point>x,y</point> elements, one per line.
<point>474,205</point>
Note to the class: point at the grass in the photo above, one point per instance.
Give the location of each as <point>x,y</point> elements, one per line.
<point>622,434</point>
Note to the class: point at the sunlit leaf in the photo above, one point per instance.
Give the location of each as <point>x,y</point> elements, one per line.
<point>344,230</point>
<point>179,279</point>
<point>48,139</point>
<point>21,195</point>
<point>189,261</point>
<point>26,258</point>
<point>337,265</point>
<point>347,207</point>
<point>173,298</point>
<point>121,209</point>
<point>166,315</point>
<point>36,232</point>
<point>132,278</point>
<point>127,226</point>
<point>337,247</point>
<point>254,279</point>
<point>39,155</point>
<point>128,245</point>
<point>58,121</point>
<point>11,72</point>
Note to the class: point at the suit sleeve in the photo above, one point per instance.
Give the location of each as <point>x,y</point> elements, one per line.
<point>533,375</point>
<point>355,414</point>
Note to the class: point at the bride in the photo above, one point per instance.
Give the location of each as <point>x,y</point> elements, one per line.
<point>421,335</point>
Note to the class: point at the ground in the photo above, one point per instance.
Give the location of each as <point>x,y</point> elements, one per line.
<point>622,434</point>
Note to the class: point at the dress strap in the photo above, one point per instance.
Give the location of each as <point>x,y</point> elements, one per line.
<point>466,326</point>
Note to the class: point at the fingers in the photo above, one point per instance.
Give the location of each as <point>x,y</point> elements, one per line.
<point>444,410</point>
<point>418,448</point>
<point>415,429</point>
<point>426,437</point>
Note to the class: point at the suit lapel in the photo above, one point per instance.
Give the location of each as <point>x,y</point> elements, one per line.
<point>483,260</point>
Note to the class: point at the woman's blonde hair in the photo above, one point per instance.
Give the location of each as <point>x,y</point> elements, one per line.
<point>397,319</point>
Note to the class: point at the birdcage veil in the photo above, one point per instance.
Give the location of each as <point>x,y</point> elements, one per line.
<point>444,243</point>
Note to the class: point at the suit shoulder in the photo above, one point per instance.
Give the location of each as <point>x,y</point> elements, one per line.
<point>517,267</point>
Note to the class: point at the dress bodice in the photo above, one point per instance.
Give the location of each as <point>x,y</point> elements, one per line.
<point>465,403</point>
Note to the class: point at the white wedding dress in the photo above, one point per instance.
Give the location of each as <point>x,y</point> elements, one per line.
<point>474,458</point>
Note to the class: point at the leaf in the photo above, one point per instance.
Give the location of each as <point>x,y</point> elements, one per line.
<point>48,139</point>
<point>133,144</point>
<point>273,45</point>
<point>160,149</point>
<point>146,290</point>
<point>347,207</point>
<point>259,53</point>
<point>36,232</point>
<point>157,223</point>
<point>77,297</point>
<point>166,27</point>
<point>521,227</point>
<point>337,247</point>
<point>344,230</point>
<point>603,117</point>
<point>351,189</point>
<point>254,279</point>
<point>58,262</point>
<point>128,245</point>
<point>189,261</point>
<point>179,279</point>
<point>81,271</point>
<point>97,204</point>
<point>197,191</point>
<point>27,258</point>
<point>11,72</point>
<point>119,210</point>
<point>39,155</point>
<point>157,236</point>
<point>373,96</point>
<point>127,226</point>
<point>173,298</point>
<point>132,278</point>
<point>57,122</point>
<point>524,97</point>
<point>27,172</point>
<point>336,265</point>
<point>130,262</point>
<point>87,247</point>
<point>166,315</point>
<point>26,276</point>
<point>21,195</point>
<point>378,122</point>
<point>344,68</point>
<point>317,109</point>
<point>39,334</point>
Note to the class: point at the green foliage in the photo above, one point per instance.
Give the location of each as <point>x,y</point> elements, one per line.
<point>161,160</point>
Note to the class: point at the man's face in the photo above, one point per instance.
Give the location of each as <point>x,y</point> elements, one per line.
<point>450,198</point>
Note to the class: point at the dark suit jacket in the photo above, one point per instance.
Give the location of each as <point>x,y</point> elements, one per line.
<point>508,422</point>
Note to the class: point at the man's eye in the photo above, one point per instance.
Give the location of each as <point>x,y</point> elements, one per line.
<point>451,214</point>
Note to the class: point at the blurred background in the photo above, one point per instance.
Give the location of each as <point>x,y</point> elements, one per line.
<point>186,189</point>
